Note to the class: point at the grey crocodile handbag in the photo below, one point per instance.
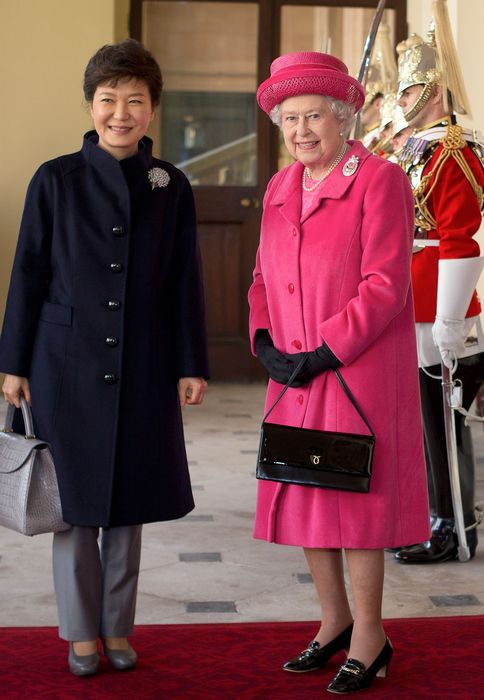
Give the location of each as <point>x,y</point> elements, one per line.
<point>29,494</point>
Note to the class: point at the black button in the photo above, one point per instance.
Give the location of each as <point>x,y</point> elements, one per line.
<point>110,378</point>
<point>112,342</point>
<point>118,231</point>
<point>116,267</point>
<point>114,304</point>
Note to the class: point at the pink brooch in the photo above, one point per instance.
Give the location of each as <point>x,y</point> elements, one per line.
<point>158,177</point>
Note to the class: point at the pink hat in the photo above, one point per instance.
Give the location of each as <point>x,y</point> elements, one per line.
<point>309,73</point>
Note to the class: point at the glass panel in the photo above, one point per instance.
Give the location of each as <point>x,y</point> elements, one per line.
<point>341,31</point>
<point>208,55</point>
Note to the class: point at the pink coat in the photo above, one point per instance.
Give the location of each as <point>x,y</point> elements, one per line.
<point>343,276</point>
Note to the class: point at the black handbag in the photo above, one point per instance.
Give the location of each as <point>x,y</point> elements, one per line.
<point>320,458</point>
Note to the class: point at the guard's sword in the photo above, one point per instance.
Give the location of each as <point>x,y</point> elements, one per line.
<point>453,462</point>
<point>365,59</point>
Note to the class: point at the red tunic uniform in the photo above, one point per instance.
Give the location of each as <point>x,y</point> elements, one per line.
<point>451,213</point>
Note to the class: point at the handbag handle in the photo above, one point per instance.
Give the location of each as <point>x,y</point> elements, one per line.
<point>341,381</point>
<point>27,416</point>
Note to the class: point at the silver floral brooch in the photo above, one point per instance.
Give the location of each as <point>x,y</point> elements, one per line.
<point>158,177</point>
<point>351,166</point>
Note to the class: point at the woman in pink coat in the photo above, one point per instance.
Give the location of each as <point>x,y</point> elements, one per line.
<point>332,283</point>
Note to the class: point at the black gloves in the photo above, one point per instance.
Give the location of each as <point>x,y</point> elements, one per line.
<point>280,365</point>
<point>316,363</point>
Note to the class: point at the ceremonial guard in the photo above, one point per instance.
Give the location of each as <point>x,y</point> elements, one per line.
<point>444,163</point>
<point>370,114</point>
<point>380,89</point>
<point>388,113</point>
<point>400,133</point>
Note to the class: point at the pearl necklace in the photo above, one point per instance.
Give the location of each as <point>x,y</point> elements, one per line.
<point>336,161</point>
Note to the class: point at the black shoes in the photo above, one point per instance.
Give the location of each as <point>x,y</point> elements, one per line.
<point>316,656</point>
<point>353,675</point>
<point>441,547</point>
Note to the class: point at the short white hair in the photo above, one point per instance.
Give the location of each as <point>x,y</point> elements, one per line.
<point>343,111</point>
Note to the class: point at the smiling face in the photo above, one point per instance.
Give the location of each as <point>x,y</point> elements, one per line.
<point>121,116</point>
<point>311,132</point>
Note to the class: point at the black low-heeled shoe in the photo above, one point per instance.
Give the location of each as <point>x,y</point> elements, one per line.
<point>442,546</point>
<point>316,656</point>
<point>353,675</point>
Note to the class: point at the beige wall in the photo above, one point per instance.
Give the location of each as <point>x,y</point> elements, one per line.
<point>345,28</point>
<point>44,47</point>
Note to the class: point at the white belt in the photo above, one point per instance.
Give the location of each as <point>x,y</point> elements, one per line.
<point>424,242</point>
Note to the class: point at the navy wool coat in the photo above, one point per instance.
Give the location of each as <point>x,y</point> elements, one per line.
<point>105,313</point>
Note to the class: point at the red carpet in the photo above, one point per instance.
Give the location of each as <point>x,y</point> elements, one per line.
<point>434,659</point>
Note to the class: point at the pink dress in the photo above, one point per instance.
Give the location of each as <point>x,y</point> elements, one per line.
<point>340,273</point>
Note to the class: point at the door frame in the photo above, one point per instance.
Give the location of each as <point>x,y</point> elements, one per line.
<point>270,28</point>
<point>230,356</point>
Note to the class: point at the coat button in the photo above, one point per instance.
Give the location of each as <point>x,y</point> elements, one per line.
<point>294,231</point>
<point>112,342</point>
<point>300,399</point>
<point>118,231</point>
<point>114,304</point>
<point>297,344</point>
<point>110,378</point>
<point>290,288</point>
<point>116,267</point>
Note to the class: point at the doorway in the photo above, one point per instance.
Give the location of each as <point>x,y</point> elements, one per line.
<point>213,55</point>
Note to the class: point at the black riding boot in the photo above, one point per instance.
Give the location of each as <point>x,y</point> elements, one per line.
<point>442,545</point>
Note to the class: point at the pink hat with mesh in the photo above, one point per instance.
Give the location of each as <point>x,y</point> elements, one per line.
<point>309,73</point>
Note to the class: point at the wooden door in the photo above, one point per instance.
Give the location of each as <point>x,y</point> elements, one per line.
<point>213,56</point>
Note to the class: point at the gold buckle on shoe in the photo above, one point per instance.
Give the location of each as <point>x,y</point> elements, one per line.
<point>351,668</point>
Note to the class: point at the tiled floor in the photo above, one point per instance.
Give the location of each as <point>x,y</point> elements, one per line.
<point>207,568</point>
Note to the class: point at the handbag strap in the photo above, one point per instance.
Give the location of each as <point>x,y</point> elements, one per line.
<point>343,385</point>
<point>288,384</point>
<point>353,401</point>
<point>27,416</point>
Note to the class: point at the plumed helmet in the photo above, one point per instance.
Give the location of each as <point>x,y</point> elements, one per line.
<point>382,71</point>
<point>433,62</point>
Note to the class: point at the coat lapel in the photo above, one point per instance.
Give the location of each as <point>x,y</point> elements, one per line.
<point>338,183</point>
<point>288,194</point>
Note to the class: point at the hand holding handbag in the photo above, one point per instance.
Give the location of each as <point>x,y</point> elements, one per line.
<point>29,494</point>
<point>319,458</point>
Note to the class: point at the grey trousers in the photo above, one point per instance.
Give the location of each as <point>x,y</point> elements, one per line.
<point>96,584</point>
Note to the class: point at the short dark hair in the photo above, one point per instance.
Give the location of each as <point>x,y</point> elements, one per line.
<point>376,96</point>
<point>128,59</point>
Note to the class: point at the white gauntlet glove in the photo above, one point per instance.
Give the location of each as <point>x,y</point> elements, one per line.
<point>449,336</point>
<point>457,280</point>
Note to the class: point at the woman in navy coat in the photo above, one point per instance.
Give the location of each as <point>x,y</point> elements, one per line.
<point>104,333</point>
